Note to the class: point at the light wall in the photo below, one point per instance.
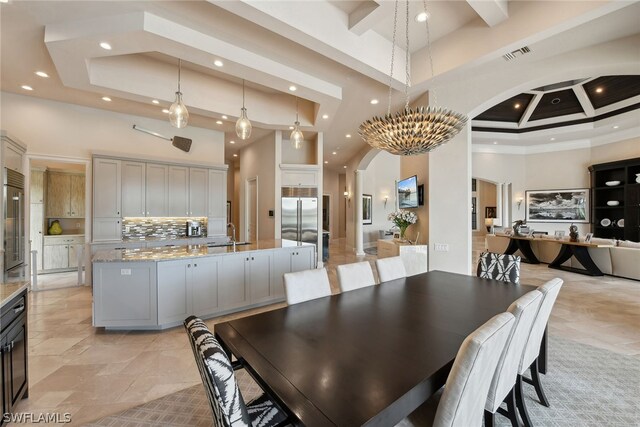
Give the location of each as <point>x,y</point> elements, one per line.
<point>331,186</point>
<point>258,160</point>
<point>61,129</point>
<point>419,166</point>
<point>379,180</point>
<point>342,206</point>
<point>549,171</point>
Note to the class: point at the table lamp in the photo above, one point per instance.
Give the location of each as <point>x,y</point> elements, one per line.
<point>488,222</point>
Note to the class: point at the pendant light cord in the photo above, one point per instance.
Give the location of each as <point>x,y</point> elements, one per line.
<point>179,68</point>
<point>426,21</point>
<point>393,51</point>
<point>297,109</point>
<point>406,62</point>
<point>242,93</point>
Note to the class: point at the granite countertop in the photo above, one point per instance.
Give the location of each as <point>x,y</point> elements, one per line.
<point>153,239</point>
<point>9,290</point>
<point>166,253</point>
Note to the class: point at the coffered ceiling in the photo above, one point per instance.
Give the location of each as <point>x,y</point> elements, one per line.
<point>336,54</point>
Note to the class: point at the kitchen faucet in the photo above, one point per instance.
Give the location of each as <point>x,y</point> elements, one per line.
<point>233,235</point>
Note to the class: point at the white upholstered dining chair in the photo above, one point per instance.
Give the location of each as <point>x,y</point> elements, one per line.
<point>355,276</point>
<point>502,388</point>
<point>550,291</point>
<point>465,392</point>
<point>390,268</point>
<point>306,285</point>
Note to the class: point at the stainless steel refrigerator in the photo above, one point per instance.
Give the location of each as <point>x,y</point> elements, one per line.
<point>14,227</point>
<point>300,214</point>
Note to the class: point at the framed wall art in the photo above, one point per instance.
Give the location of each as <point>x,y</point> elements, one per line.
<point>367,209</point>
<point>558,205</point>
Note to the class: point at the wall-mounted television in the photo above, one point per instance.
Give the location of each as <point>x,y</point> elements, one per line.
<point>408,192</point>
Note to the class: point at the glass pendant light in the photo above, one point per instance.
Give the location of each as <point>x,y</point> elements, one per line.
<point>178,114</point>
<point>296,137</point>
<point>243,125</point>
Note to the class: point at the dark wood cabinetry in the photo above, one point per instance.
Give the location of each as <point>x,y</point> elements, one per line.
<point>13,353</point>
<point>624,217</point>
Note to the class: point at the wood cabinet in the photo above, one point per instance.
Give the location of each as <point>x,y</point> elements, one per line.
<point>14,379</point>
<point>65,195</point>
<point>60,252</point>
<point>125,294</point>
<point>624,218</point>
<point>37,186</point>
<point>107,194</point>
<point>133,190</point>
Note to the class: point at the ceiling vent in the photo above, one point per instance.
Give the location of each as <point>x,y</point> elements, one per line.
<point>518,52</point>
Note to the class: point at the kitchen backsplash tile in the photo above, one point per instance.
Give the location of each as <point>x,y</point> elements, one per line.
<point>158,227</point>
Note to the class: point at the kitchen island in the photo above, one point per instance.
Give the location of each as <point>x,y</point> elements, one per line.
<point>157,288</point>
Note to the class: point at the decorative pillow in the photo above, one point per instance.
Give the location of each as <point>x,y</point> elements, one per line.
<point>628,244</point>
<point>218,376</point>
<point>505,268</point>
<point>600,241</point>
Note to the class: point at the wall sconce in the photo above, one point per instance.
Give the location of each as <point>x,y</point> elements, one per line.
<point>519,202</point>
<point>346,196</point>
<point>386,199</point>
<point>488,222</point>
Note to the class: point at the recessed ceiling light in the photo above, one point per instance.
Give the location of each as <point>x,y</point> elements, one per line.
<point>334,153</point>
<point>374,101</point>
<point>165,111</point>
<point>344,167</point>
<point>106,98</point>
<point>155,101</point>
<point>348,135</point>
<point>326,162</point>
<point>599,90</point>
<point>422,17</point>
<point>235,155</point>
<point>552,139</point>
<point>224,117</point>
<point>4,1</point>
<point>218,63</point>
<point>516,106</point>
<point>292,88</point>
<point>26,87</point>
<point>105,46</point>
<point>616,127</point>
<point>232,142</point>
<point>325,116</point>
<point>495,142</point>
<point>218,122</point>
<point>290,127</point>
<point>42,74</point>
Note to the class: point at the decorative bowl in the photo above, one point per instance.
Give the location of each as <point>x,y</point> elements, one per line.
<point>612,183</point>
<point>605,222</point>
<point>620,223</point>
<point>613,203</point>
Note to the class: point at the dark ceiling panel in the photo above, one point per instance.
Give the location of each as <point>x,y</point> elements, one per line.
<point>506,110</point>
<point>614,89</point>
<point>557,104</point>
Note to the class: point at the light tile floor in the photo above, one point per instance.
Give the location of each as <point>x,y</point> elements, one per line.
<point>90,372</point>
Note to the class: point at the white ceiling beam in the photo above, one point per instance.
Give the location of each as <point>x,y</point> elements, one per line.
<point>367,15</point>
<point>492,12</point>
<point>583,98</point>
<point>530,109</point>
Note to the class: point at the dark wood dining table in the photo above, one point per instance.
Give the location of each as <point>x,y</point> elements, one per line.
<point>365,357</point>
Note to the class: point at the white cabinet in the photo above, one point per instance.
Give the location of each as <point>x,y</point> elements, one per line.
<point>178,191</point>
<point>157,190</point>
<point>12,154</point>
<point>125,294</point>
<point>107,229</point>
<point>288,261</point>
<point>187,287</point>
<point>258,271</point>
<point>246,279</point>
<point>133,188</point>
<point>217,203</point>
<point>106,188</point>
<point>232,289</point>
<point>295,175</point>
<point>198,186</point>
<point>37,231</point>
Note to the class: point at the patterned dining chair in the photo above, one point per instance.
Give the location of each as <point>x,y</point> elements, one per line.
<point>505,268</point>
<point>355,276</point>
<point>226,402</point>
<point>502,388</point>
<point>306,285</point>
<point>390,268</point>
<point>529,361</point>
<point>461,404</point>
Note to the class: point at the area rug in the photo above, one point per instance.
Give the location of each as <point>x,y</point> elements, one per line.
<point>586,386</point>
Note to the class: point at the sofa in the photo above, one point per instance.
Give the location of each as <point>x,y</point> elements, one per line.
<point>622,260</point>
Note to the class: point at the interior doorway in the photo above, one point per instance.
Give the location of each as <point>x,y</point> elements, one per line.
<point>252,209</point>
<point>59,211</point>
<point>326,212</point>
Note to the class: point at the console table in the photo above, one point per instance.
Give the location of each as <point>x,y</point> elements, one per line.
<point>580,250</point>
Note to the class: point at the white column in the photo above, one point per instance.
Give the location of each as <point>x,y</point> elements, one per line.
<point>358,219</point>
<point>506,205</point>
<point>499,221</point>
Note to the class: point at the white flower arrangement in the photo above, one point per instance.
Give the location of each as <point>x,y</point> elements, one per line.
<point>403,218</point>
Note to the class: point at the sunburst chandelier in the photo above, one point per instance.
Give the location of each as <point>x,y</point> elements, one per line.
<point>411,131</point>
